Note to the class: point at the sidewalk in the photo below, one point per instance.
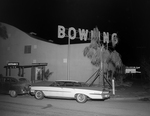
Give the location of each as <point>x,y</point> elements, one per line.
<point>133,92</point>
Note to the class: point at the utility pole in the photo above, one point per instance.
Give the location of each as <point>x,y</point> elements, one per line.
<point>101,66</point>
<point>68,60</point>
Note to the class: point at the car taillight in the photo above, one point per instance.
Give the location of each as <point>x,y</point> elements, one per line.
<point>27,87</point>
<point>105,92</point>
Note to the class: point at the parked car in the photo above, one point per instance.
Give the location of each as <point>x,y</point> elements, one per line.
<point>14,85</point>
<point>68,89</point>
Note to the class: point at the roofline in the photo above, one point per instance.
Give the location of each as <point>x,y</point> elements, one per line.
<point>39,38</point>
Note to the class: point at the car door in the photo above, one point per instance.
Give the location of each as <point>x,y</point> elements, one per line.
<point>6,85</point>
<point>13,84</point>
<point>68,90</point>
<point>1,84</point>
<point>53,91</point>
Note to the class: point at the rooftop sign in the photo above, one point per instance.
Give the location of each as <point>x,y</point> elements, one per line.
<point>132,70</point>
<point>84,34</point>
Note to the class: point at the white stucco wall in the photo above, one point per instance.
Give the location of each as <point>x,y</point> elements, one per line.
<point>12,50</point>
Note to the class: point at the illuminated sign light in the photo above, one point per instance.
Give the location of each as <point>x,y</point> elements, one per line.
<point>132,70</point>
<point>13,64</point>
<point>84,34</point>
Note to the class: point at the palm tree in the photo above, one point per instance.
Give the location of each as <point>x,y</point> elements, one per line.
<point>102,57</point>
<point>3,32</point>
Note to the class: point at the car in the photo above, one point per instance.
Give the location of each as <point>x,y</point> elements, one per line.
<point>14,85</point>
<point>68,89</point>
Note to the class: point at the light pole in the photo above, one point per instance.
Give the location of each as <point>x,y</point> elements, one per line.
<point>101,66</point>
<point>68,60</point>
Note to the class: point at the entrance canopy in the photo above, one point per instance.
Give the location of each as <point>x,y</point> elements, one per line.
<point>15,65</point>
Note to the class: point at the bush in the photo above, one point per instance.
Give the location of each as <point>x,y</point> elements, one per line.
<point>47,74</point>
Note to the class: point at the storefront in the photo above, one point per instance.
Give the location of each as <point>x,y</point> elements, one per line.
<point>37,70</point>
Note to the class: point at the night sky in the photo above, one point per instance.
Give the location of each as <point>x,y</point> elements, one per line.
<point>130,19</point>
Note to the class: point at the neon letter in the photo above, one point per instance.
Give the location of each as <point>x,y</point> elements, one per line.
<point>61,31</point>
<point>106,37</point>
<point>83,34</point>
<point>114,39</point>
<point>72,36</point>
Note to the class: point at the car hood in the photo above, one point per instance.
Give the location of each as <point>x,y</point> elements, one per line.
<point>24,83</point>
<point>42,83</point>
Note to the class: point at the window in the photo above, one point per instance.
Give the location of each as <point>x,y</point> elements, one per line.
<point>13,80</point>
<point>69,84</point>
<point>7,80</point>
<point>77,84</point>
<point>27,49</point>
<point>60,83</point>
<point>23,79</point>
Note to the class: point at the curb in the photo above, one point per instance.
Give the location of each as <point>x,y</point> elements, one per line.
<point>129,98</point>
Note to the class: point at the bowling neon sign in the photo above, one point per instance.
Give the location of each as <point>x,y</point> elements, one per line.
<point>84,34</point>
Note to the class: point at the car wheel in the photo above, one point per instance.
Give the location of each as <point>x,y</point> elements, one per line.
<point>39,95</point>
<point>81,98</point>
<point>13,93</point>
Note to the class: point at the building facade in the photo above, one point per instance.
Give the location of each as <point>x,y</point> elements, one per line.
<point>25,49</point>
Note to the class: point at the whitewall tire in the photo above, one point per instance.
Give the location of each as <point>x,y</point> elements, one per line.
<point>81,98</point>
<point>13,93</point>
<point>39,95</point>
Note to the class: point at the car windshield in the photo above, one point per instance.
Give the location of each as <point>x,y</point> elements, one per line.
<point>66,84</point>
<point>23,80</point>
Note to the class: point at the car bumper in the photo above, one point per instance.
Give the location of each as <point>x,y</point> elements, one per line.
<point>106,96</point>
<point>23,91</point>
<point>31,92</point>
<point>101,96</point>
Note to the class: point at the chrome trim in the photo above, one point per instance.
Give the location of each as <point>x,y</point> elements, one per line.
<point>95,94</point>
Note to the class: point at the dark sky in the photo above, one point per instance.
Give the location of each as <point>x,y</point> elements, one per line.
<point>130,19</point>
